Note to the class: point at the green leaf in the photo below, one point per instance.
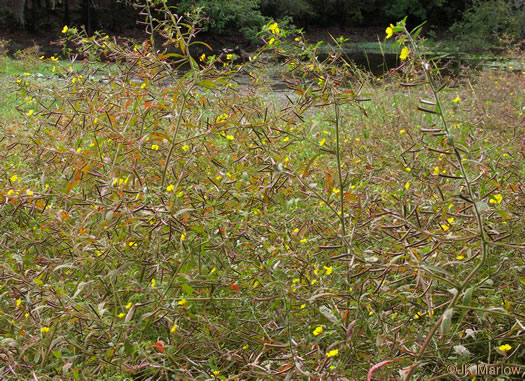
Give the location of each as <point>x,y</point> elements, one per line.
<point>468,296</point>
<point>129,347</point>
<point>482,206</point>
<point>207,84</point>
<point>187,289</point>
<point>446,322</point>
<point>197,228</point>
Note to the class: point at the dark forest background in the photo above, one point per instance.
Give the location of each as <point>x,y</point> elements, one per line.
<point>485,21</point>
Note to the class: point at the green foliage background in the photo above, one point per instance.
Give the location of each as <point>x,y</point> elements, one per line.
<point>483,22</point>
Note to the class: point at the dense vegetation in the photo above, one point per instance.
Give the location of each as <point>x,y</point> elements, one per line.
<point>199,224</point>
<point>480,24</point>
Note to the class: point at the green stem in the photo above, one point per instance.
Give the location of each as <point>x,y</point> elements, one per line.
<point>468,185</point>
<point>339,172</point>
<point>173,142</point>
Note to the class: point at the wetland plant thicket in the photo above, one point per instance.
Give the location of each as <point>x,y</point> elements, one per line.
<point>160,226</point>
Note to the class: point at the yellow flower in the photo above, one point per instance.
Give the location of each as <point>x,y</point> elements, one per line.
<point>64,29</point>
<point>402,131</point>
<point>183,237</point>
<point>322,142</point>
<point>404,53</point>
<point>18,302</point>
<point>417,315</point>
<point>328,269</point>
<point>272,40</point>
<point>230,137</point>
<point>128,306</point>
<point>202,57</point>
<point>274,28</point>
<point>153,282</point>
<point>332,353</point>
<point>44,329</point>
<point>121,315</point>
<point>303,306</point>
<point>154,147</point>
<point>221,118</point>
<point>182,302</point>
<point>317,331</point>
<point>30,112</point>
<point>496,199</point>
<point>456,100</point>
<point>505,348</point>
<point>215,373</point>
<point>174,328</point>
<point>29,192</point>
<point>445,227</point>
<point>407,185</point>
<point>132,244</point>
<point>389,31</point>
<point>460,257</point>
<point>170,188</point>
<point>436,171</point>
<point>303,240</point>
<point>450,220</point>
<point>10,192</point>
<point>245,347</point>
<point>13,178</point>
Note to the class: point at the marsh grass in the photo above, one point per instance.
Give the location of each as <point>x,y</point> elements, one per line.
<point>157,225</point>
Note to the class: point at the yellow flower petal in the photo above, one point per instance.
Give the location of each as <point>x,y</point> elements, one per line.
<point>404,53</point>
<point>332,353</point>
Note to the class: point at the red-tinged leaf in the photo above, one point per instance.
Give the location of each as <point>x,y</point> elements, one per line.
<point>234,287</point>
<point>160,346</point>
<point>375,367</point>
<point>127,104</point>
<point>147,105</point>
<point>70,185</point>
